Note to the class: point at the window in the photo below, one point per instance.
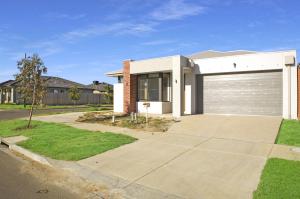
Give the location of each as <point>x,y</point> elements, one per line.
<point>120,79</point>
<point>166,87</point>
<point>142,89</point>
<point>151,87</point>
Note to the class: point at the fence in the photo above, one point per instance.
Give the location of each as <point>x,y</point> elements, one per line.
<point>64,99</point>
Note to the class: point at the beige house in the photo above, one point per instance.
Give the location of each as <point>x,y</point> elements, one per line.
<point>210,82</point>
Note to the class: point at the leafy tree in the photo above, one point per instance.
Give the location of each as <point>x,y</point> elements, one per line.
<point>108,93</point>
<point>74,94</point>
<point>31,85</point>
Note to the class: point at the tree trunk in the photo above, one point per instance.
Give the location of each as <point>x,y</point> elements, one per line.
<point>30,116</point>
<point>31,108</point>
<point>24,102</point>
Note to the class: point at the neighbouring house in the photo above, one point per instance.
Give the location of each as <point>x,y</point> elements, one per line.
<point>99,87</point>
<point>7,92</point>
<point>57,92</point>
<point>210,82</point>
<point>101,90</point>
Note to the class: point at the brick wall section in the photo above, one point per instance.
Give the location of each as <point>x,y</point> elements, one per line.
<point>130,88</point>
<point>298,93</point>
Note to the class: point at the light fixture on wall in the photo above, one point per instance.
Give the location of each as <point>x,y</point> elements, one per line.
<point>234,65</point>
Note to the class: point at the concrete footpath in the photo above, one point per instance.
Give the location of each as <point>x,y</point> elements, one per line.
<point>203,156</point>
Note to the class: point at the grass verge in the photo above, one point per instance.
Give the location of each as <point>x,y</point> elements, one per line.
<point>289,133</point>
<point>62,142</point>
<point>280,179</point>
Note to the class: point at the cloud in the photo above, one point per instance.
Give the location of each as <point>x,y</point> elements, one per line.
<point>57,43</point>
<point>157,42</point>
<point>65,16</point>
<point>176,9</point>
<point>119,28</point>
<point>45,48</point>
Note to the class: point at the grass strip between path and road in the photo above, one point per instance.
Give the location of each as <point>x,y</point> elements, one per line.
<point>289,133</point>
<point>62,142</point>
<point>280,179</point>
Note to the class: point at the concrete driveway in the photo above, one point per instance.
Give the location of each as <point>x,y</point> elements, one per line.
<point>203,156</point>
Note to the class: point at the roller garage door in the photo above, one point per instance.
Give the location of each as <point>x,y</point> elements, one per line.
<point>248,93</point>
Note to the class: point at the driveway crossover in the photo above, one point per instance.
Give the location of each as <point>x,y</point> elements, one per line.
<point>203,156</point>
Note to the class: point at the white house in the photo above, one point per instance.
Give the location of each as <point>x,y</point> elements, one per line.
<point>210,82</point>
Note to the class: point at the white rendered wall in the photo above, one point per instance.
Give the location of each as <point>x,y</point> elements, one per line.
<point>248,62</point>
<point>118,97</point>
<point>294,88</point>
<point>177,90</point>
<point>189,92</point>
<point>155,107</point>
<point>257,62</point>
<point>151,65</point>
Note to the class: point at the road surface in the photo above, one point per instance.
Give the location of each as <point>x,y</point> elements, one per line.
<point>14,114</point>
<point>16,183</point>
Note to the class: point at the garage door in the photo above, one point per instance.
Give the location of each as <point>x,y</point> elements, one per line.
<point>255,93</point>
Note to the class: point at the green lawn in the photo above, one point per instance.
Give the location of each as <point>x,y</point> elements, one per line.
<point>12,106</point>
<point>280,180</point>
<point>289,133</point>
<point>21,107</point>
<point>59,141</point>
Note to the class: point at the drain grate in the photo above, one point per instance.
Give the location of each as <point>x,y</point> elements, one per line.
<point>43,191</point>
<point>3,145</point>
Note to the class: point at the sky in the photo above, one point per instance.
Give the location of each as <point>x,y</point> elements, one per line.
<point>82,40</point>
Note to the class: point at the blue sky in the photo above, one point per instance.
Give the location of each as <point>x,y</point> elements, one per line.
<point>82,40</point>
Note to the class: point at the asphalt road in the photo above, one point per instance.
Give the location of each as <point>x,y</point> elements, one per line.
<point>14,114</point>
<point>17,184</point>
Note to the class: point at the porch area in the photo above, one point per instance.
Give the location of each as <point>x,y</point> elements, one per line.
<point>158,86</point>
<point>7,95</point>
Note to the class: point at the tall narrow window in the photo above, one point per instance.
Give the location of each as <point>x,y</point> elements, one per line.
<point>142,89</point>
<point>166,87</point>
<point>153,89</point>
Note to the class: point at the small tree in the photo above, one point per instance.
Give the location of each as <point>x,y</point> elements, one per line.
<point>31,85</point>
<point>74,94</point>
<point>108,93</point>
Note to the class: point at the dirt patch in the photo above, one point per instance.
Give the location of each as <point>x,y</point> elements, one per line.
<point>154,124</point>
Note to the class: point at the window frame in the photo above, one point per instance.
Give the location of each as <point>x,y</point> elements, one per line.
<point>158,76</point>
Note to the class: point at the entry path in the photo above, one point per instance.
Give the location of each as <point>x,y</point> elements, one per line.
<point>203,156</point>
